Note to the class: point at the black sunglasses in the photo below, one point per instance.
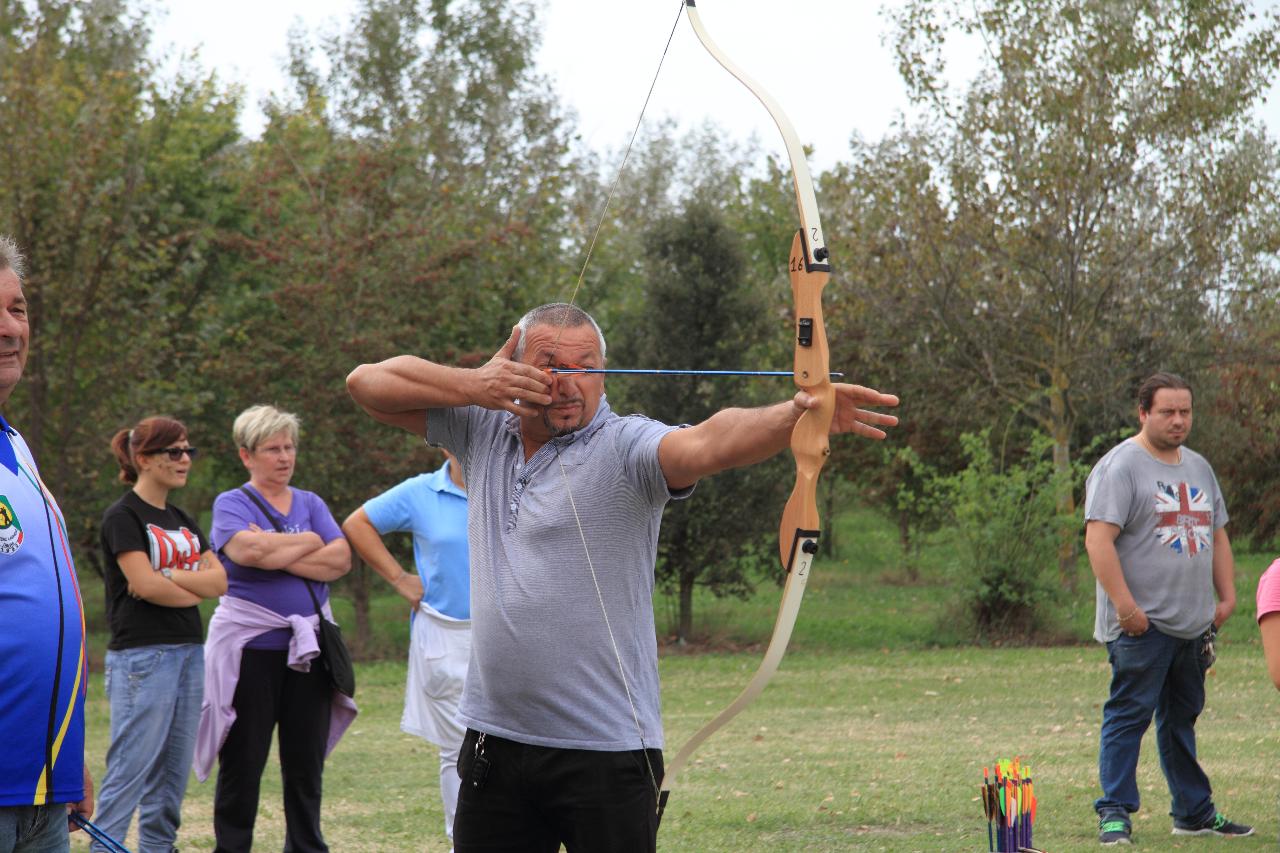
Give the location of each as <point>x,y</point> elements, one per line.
<point>175,453</point>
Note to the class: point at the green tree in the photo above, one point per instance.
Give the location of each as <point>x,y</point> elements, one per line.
<point>1074,220</point>
<point>698,314</point>
<point>1238,411</point>
<point>116,187</point>
<point>1004,517</point>
<point>663,171</point>
<point>411,198</point>
<point>875,205</point>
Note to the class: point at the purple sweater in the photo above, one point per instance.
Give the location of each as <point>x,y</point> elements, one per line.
<point>232,626</point>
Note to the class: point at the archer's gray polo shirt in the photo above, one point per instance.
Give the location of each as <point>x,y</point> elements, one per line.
<point>1167,515</point>
<point>543,670</point>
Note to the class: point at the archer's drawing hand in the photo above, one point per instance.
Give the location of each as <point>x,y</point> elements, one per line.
<point>849,415</point>
<point>511,386</point>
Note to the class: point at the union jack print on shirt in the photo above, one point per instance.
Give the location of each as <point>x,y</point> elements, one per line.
<point>1184,519</point>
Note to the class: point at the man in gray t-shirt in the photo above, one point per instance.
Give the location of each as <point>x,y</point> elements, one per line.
<point>564,727</point>
<point>1155,532</point>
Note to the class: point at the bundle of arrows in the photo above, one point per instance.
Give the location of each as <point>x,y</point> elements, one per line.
<point>1009,802</point>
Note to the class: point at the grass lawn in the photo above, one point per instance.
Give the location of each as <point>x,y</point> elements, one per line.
<point>872,736</point>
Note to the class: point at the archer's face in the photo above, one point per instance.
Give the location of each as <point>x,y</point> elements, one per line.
<point>575,398</point>
<point>1168,423</point>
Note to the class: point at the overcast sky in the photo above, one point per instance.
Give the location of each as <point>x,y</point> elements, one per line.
<point>823,60</point>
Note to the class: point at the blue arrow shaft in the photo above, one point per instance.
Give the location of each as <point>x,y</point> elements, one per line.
<point>684,372</point>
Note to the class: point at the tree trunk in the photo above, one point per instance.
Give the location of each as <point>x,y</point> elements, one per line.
<point>685,627</point>
<point>358,580</point>
<point>828,541</point>
<point>909,552</point>
<point>1067,534</point>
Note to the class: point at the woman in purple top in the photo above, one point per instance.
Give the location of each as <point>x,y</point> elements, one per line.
<point>270,561</point>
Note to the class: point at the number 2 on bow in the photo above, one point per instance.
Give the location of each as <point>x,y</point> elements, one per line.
<point>800,528</point>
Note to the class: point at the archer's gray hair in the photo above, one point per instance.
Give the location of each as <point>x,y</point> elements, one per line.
<point>11,258</point>
<point>557,314</point>
<point>258,423</point>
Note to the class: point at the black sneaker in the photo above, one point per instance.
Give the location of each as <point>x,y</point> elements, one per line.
<point>1216,825</point>
<point>1113,832</point>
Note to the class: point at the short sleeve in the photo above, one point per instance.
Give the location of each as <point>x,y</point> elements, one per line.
<point>1269,590</point>
<point>636,442</point>
<point>463,430</point>
<point>231,515</point>
<point>1220,516</point>
<point>447,428</point>
<point>1109,492</point>
<point>122,532</point>
<point>392,511</point>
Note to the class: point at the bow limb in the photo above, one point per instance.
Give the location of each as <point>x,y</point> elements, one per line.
<point>800,527</point>
<point>815,244</point>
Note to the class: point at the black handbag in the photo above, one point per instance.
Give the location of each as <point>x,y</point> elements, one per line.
<point>334,655</point>
<point>335,658</point>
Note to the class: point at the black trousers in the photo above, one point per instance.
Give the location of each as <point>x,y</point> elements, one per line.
<point>270,694</point>
<point>517,797</point>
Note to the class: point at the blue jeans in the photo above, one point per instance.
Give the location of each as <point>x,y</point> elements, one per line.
<point>155,694</point>
<point>34,829</point>
<point>1161,675</point>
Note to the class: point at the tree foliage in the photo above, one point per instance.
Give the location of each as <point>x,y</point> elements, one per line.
<point>1079,216</point>
<point>698,314</point>
<point>116,186</point>
<point>1001,512</point>
<point>1096,205</point>
<point>1241,414</point>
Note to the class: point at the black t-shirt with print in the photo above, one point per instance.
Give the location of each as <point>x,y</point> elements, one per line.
<point>171,540</point>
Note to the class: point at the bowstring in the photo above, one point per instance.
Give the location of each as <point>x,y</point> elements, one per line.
<point>608,626</point>
<point>626,155</point>
<point>573,296</point>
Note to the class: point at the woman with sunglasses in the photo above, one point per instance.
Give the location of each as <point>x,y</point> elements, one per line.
<point>157,567</point>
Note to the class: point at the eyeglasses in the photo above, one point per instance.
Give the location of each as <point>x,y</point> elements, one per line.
<point>175,453</point>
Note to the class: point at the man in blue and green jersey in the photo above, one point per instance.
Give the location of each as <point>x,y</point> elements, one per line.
<point>43,777</point>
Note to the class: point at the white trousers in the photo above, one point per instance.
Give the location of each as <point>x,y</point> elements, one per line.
<point>439,651</point>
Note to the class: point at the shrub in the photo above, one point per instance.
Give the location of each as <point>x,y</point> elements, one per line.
<point>1006,521</point>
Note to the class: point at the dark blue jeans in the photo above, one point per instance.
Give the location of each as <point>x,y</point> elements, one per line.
<point>1161,675</point>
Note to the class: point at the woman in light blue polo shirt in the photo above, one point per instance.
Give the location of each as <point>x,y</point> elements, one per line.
<point>432,507</point>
